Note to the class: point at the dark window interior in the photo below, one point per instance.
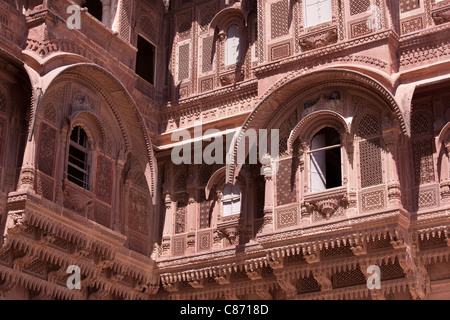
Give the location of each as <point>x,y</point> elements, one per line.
<point>95,8</point>
<point>145,60</point>
<point>78,168</point>
<point>333,169</point>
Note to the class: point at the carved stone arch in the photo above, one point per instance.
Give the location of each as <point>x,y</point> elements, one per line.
<point>92,126</point>
<point>125,111</point>
<point>313,123</point>
<point>217,181</point>
<point>272,102</point>
<point>228,16</point>
<point>443,151</point>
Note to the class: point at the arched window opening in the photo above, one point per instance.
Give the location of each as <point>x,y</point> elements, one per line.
<point>95,8</point>
<point>231,200</point>
<point>78,162</point>
<point>232,46</point>
<point>326,164</point>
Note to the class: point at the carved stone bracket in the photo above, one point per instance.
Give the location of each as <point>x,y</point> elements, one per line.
<point>441,16</point>
<point>319,39</point>
<point>326,204</point>
<point>323,280</point>
<point>232,78</point>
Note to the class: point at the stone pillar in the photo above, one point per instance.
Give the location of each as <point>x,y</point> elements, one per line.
<point>116,199</point>
<point>168,225</point>
<point>28,170</point>
<point>394,190</point>
<point>106,14</point>
<point>268,198</point>
<point>217,239</point>
<point>191,218</point>
<point>445,182</point>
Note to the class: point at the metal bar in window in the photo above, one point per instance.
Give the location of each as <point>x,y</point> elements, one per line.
<point>326,148</point>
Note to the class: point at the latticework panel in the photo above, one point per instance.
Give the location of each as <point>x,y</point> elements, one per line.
<point>102,215</point>
<point>205,208</point>
<point>348,278</point>
<point>5,258</point>
<point>358,6</point>
<point>280,18</point>
<point>239,275</point>
<point>204,241</point>
<point>104,179</point>
<point>420,124</point>
<point>180,215</point>
<point>370,162</point>
<point>207,54</point>
<point>50,113</point>
<point>178,246</point>
<point>286,186</point>
<point>137,219</point>
<point>183,62</point>
<point>337,251</point>
<point>409,5</point>
<point>423,161</point>
<point>3,127</point>
<point>307,285</point>
<point>37,267</point>
<point>368,126</point>
<point>285,130</point>
<point>379,244</point>
<point>46,155</point>
<point>391,271</point>
<point>296,258</point>
<point>180,182</point>
<point>432,242</point>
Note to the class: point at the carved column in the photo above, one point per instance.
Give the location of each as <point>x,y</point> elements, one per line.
<point>445,183</point>
<point>117,191</point>
<point>106,13</point>
<point>28,170</point>
<point>191,217</point>
<point>268,197</point>
<point>394,190</point>
<point>217,235</point>
<point>168,225</point>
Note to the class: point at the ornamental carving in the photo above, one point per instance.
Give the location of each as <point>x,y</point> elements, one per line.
<point>232,78</point>
<point>326,204</point>
<point>318,40</point>
<point>441,16</point>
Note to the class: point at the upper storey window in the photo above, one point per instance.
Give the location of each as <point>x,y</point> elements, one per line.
<point>232,46</point>
<point>78,163</point>
<point>326,164</point>
<point>231,200</point>
<point>317,12</point>
<point>145,60</point>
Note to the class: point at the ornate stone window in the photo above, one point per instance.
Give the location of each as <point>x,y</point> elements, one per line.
<point>231,200</point>
<point>317,12</point>
<point>325,158</point>
<point>232,46</point>
<point>79,158</point>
